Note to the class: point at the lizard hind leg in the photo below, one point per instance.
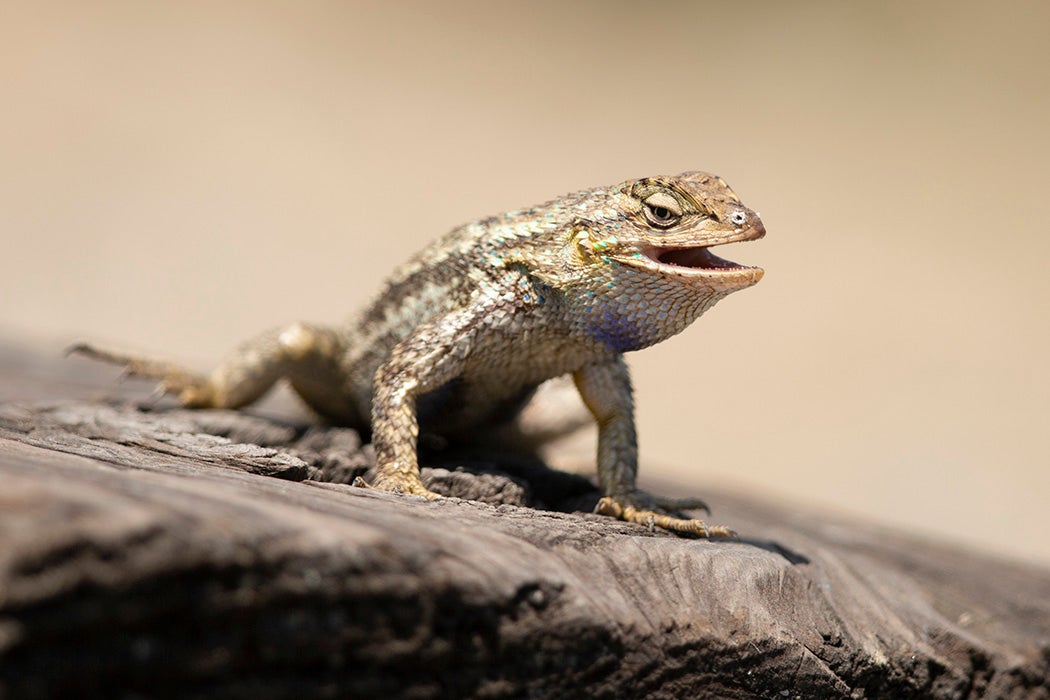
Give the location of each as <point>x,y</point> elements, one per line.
<point>308,356</point>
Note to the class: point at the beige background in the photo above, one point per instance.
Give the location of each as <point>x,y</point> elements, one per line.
<point>178,176</point>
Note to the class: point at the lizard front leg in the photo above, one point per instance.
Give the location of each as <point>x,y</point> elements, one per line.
<point>606,390</point>
<point>431,356</point>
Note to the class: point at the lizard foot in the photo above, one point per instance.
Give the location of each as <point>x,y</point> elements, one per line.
<point>644,509</point>
<point>191,389</point>
<point>394,479</point>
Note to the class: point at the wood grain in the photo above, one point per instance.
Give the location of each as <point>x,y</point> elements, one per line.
<point>171,553</point>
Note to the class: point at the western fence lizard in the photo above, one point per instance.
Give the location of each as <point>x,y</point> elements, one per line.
<point>465,331</point>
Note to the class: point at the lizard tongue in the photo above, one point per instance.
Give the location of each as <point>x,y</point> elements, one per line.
<point>694,257</point>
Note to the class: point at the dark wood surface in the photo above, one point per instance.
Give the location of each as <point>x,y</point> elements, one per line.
<point>159,552</point>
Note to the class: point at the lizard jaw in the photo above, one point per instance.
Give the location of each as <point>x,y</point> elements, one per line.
<point>697,262</point>
<point>691,258</point>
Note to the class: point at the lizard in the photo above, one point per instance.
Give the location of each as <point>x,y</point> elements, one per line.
<point>463,333</point>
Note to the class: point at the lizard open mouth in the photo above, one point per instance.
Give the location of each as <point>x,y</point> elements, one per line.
<point>697,263</point>
<point>696,258</point>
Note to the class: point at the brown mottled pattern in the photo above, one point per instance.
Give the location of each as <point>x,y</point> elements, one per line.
<point>465,330</point>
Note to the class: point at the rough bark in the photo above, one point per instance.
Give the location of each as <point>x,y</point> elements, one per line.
<point>171,553</point>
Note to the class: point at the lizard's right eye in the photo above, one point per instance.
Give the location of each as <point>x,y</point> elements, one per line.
<point>661,217</point>
<point>662,210</point>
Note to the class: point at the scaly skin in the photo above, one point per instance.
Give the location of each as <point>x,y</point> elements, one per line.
<point>464,332</point>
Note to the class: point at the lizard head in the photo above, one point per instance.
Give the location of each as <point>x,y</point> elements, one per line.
<point>669,225</point>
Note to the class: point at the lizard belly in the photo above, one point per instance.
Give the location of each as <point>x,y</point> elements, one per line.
<point>500,377</point>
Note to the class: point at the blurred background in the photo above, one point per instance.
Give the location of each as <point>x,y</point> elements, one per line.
<point>175,177</point>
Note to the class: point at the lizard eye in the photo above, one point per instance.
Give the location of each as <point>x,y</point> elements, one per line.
<point>662,211</point>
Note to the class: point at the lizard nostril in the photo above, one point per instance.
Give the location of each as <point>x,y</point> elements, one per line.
<point>738,218</point>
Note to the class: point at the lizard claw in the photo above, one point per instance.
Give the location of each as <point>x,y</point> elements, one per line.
<point>192,389</point>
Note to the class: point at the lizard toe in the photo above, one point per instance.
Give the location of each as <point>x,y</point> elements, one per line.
<point>652,519</point>
<point>400,483</point>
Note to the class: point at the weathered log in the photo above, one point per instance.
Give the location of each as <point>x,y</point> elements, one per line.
<point>173,553</point>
